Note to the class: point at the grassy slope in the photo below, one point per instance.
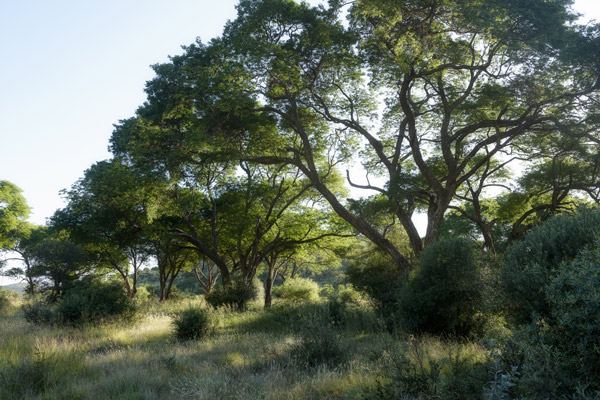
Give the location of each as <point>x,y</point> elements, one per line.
<point>251,356</point>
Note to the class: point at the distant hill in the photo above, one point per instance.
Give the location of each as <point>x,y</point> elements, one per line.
<point>17,287</point>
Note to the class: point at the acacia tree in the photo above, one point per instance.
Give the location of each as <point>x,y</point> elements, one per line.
<point>57,262</point>
<point>109,212</point>
<point>17,236</point>
<point>464,86</point>
<point>230,210</point>
<point>14,212</point>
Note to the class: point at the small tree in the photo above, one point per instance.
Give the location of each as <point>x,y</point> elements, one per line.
<point>58,262</point>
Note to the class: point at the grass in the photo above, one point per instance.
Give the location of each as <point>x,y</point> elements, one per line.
<point>256,354</point>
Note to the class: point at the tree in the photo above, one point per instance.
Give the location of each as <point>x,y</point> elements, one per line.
<point>58,262</point>
<point>231,211</point>
<point>108,212</point>
<point>465,87</point>
<point>16,234</point>
<point>23,251</point>
<point>14,212</point>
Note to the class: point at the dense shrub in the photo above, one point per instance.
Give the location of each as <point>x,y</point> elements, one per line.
<point>346,294</point>
<point>192,323</point>
<point>90,299</point>
<point>560,354</point>
<point>237,295</point>
<point>412,370</point>
<point>375,274</point>
<point>320,345</point>
<point>445,293</point>
<point>531,262</point>
<point>6,297</point>
<point>38,312</point>
<point>142,293</point>
<point>297,290</point>
<point>326,290</point>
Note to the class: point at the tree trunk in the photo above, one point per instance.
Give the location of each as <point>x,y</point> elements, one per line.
<point>269,284</point>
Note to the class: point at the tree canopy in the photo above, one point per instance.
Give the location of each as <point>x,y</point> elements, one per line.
<point>438,100</point>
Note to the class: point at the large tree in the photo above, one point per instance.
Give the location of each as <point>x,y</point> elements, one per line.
<point>463,85</point>
<point>434,93</point>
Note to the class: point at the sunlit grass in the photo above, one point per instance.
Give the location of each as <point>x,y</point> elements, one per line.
<point>251,355</point>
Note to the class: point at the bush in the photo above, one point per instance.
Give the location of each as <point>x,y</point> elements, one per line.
<point>327,290</point>
<point>38,312</point>
<point>237,296</point>
<point>531,262</point>
<point>560,354</point>
<point>297,290</point>
<point>142,293</point>
<point>5,299</point>
<point>349,295</point>
<point>320,345</point>
<point>192,324</point>
<point>375,274</point>
<point>90,299</point>
<point>445,292</point>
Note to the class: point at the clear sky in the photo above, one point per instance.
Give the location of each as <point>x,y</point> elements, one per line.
<point>70,69</point>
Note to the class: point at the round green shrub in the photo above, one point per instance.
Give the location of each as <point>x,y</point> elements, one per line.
<point>327,290</point>
<point>349,295</point>
<point>91,299</point>
<point>445,293</point>
<point>192,324</point>
<point>530,263</point>
<point>297,290</point>
<point>142,293</point>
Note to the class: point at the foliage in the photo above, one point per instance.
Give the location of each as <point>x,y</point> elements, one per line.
<point>192,323</point>
<point>530,263</point>
<point>39,312</point>
<point>237,295</point>
<point>446,291</point>
<point>14,212</point>
<point>320,344</point>
<point>410,368</point>
<point>6,297</point>
<point>297,290</point>
<point>91,300</point>
<point>374,273</point>
<point>559,355</point>
<point>346,294</point>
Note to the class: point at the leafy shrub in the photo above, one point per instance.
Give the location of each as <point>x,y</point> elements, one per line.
<point>410,369</point>
<point>531,262</point>
<point>6,297</point>
<point>192,323</point>
<point>375,274</point>
<point>38,312</point>
<point>142,293</point>
<point>90,300</point>
<point>297,290</point>
<point>560,354</point>
<point>349,295</point>
<point>320,345</point>
<point>237,295</point>
<point>445,293</point>
<point>327,290</point>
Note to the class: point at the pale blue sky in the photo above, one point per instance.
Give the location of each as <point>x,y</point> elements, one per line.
<point>71,68</point>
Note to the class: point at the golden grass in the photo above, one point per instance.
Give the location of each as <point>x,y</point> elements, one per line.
<point>144,361</point>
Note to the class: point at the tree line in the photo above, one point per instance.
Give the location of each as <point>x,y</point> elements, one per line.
<point>482,118</point>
